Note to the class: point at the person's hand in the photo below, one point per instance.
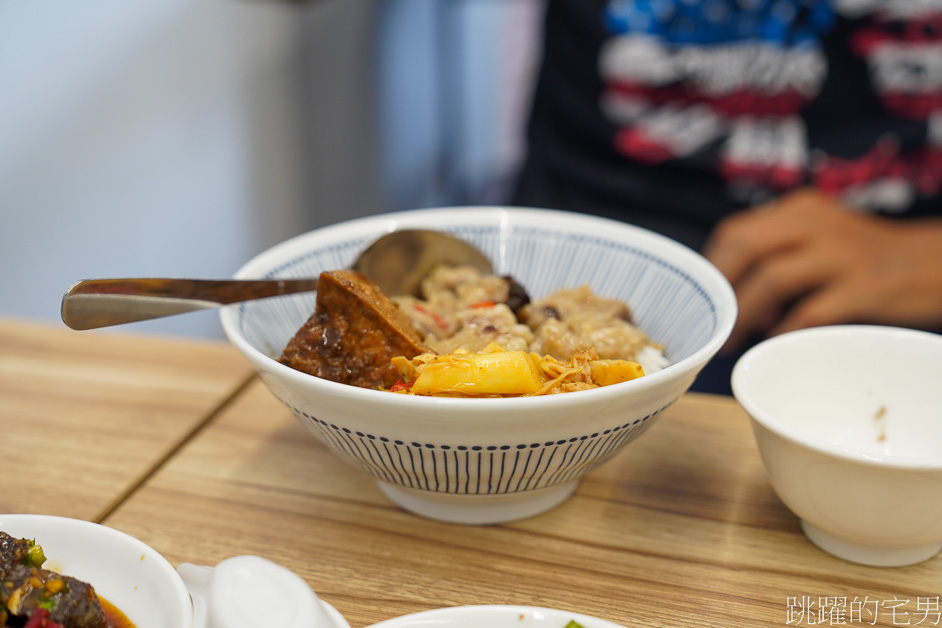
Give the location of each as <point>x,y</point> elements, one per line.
<point>806,260</point>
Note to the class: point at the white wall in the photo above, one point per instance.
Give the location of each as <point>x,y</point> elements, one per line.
<point>174,138</point>
<point>180,137</point>
<point>455,79</point>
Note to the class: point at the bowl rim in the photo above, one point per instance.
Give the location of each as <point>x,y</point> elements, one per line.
<point>446,615</point>
<point>721,292</point>
<point>759,415</point>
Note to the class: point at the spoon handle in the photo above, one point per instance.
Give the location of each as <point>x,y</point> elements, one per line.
<point>95,303</point>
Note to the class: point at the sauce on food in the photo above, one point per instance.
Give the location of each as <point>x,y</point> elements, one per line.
<point>114,616</point>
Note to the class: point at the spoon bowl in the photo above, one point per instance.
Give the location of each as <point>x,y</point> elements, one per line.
<point>396,262</point>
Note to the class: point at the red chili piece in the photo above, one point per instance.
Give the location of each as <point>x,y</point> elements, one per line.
<point>441,322</point>
<point>400,385</point>
<point>40,619</point>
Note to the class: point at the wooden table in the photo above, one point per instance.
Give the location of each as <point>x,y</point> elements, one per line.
<point>191,454</point>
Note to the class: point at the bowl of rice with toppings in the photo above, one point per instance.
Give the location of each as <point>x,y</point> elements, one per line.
<point>512,384</point>
<point>576,339</point>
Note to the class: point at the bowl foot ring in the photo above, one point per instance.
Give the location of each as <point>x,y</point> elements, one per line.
<point>478,509</point>
<point>868,554</point>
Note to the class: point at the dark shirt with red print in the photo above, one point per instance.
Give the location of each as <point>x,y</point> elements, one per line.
<point>672,114</point>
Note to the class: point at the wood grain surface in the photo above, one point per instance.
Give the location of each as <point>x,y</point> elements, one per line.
<point>680,529</point>
<point>87,416</point>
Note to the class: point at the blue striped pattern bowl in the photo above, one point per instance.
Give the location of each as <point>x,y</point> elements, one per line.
<point>481,461</point>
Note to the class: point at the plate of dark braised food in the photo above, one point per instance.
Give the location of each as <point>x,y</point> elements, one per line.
<point>57,572</point>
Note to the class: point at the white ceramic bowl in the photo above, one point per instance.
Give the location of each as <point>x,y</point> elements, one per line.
<point>124,571</point>
<point>847,420</point>
<point>489,460</point>
<point>494,617</point>
<point>240,592</point>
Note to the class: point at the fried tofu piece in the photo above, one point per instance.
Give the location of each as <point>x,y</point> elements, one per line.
<point>353,334</point>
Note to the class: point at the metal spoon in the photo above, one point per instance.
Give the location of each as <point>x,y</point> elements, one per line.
<point>396,262</point>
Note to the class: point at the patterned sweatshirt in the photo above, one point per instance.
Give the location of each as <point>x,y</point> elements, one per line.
<point>674,113</point>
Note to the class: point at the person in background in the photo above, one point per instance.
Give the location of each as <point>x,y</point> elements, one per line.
<point>796,143</point>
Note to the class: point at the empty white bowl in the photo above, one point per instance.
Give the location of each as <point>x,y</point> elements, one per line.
<point>480,461</point>
<point>848,421</point>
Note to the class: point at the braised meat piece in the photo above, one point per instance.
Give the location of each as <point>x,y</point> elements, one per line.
<point>70,602</point>
<point>13,552</point>
<point>26,588</point>
<point>353,334</point>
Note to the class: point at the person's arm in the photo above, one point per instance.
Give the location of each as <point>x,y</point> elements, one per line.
<point>806,260</point>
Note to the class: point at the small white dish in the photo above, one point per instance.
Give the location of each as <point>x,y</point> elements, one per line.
<point>240,592</point>
<point>848,421</point>
<point>494,616</point>
<point>123,570</point>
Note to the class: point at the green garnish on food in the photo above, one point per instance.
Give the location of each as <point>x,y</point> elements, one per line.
<point>573,624</point>
<point>34,556</point>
